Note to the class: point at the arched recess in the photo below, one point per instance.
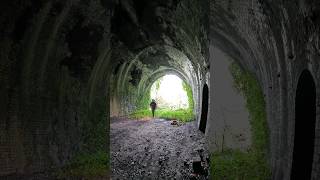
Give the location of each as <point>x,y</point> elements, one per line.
<point>153,62</point>
<point>204,108</point>
<point>179,61</point>
<point>305,120</point>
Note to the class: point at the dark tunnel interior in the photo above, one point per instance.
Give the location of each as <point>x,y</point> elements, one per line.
<point>204,109</point>
<point>305,125</point>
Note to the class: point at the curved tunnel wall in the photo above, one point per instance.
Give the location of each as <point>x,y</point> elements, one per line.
<point>175,63</point>
<point>55,93</point>
<point>264,39</point>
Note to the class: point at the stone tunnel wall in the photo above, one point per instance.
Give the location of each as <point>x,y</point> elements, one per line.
<point>276,41</point>
<point>53,90</point>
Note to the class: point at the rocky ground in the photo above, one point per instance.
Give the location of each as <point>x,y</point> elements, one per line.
<point>156,149</point>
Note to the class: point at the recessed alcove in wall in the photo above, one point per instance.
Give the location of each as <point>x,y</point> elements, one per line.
<point>204,108</point>
<point>304,138</point>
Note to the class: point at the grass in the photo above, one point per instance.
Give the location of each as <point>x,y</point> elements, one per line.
<point>182,115</point>
<point>252,164</point>
<point>86,166</point>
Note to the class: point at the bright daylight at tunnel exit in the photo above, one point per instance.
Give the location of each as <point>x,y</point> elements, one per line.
<point>160,89</point>
<point>168,92</point>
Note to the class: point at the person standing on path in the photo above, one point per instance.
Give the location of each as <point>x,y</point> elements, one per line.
<point>153,106</point>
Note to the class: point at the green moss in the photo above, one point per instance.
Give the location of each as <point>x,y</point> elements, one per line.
<point>234,164</point>
<point>144,101</point>
<point>86,166</point>
<point>158,82</point>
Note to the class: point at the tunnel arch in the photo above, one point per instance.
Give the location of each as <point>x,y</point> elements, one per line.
<point>305,122</point>
<point>204,108</point>
<point>174,54</point>
<point>153,61</point>
<point>146,83</point>
<point>150,79</point>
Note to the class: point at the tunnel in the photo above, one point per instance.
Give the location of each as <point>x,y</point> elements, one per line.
<point>305,124</point>
<point>73,72</point>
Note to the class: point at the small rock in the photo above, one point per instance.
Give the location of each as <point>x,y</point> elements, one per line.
<point>186,163</point>
<point>199,150</point>
<point>197,166</point>
<point>174,122</point>
<point>193,176</point>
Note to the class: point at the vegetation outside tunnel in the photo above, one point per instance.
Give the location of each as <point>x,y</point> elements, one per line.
<point>252,164</point>
<point>183,115</point>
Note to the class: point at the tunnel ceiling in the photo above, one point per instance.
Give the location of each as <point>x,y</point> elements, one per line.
<point>141,23</point>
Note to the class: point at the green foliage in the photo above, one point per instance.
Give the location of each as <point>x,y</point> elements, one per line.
<point>246,84</point>
<point>86,166</point>
<point>139,114</point>
<point>234,164</point>
<point>158,83</point>
<point>188,89</point>
<point>144,102</point>
<point>183,115</point>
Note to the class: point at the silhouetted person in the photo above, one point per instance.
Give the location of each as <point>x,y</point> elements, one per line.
<point>153,106</point>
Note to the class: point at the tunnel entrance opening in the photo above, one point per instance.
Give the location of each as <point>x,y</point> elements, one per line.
<point>169,93</point>
<point>204,108</point>
<point>174,99</point>
<point>305,112</point>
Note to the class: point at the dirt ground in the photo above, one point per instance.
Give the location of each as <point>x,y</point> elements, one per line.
<point>156,149</point>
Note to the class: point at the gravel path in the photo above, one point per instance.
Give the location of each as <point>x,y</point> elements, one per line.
<point>155,149</point>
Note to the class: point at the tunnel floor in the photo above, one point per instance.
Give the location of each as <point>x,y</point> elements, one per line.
<point>155,149</point>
